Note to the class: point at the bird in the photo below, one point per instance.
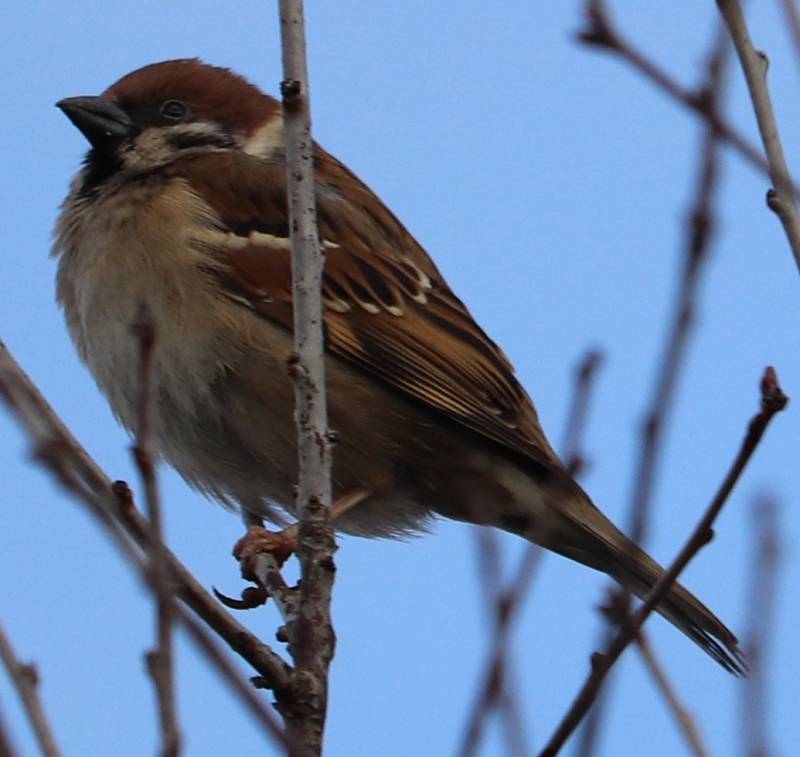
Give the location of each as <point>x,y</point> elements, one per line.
<point>180,207</point>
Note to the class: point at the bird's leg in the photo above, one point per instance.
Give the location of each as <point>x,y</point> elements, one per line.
<point>261,554</point>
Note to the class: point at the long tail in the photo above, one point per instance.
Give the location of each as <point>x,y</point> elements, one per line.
<point>584,534</point>
<point>638,573</point>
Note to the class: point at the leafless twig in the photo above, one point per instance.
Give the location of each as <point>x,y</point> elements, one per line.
<point>493,691</point>
<point>700,228</point>
<point>25,678</point>
<point>755,64</point>
<point>311,635</point>
<point>600,32</point>
<point>112,506</point>
<point>160,661</point>
<point>793,23</point>
<point>686,723</point>
<point>773,400</point>
<point>761,601</point>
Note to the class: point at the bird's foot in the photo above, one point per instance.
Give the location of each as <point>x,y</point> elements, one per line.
<point>262,553</point>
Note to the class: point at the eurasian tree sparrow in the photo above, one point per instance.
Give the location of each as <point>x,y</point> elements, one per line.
<point>181,205</point>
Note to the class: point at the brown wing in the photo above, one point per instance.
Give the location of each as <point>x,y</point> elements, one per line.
<point>387,308</point>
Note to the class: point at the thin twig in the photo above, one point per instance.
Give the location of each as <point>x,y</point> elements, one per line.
<point>311,635</point>
<point>683,718</point>
<point>571,445</point>
<point>6,747</point>
<point>160,661</point>
<point>112,506</point>
<point>493,691</point>
<point>241,689</point>
<point>700,225</point>
<point>793,23</point>
<point>755,64</point>
<point>25,678</point>
<point>773,400</point>
<point>761,601</point>
<point>600,32</point>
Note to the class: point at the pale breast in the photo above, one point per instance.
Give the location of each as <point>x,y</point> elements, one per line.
<point>128,250</point>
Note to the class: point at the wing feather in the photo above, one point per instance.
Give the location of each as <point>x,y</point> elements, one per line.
<point>388,310</point>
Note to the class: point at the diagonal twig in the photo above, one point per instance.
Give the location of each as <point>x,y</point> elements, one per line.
<point>25,678</point>
<point>601,33</point>
<point>493,691</point>
<point>112,506</point>
<point>700,225</point>
<point>686,723</point>
<point>781,198</point>
<point>773,400</point>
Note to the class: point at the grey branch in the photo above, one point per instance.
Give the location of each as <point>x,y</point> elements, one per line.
<point>112,505</point>
<point>26,681</point>
<point>773,401</point>
<point>311,635</point>
<point>781,199</point>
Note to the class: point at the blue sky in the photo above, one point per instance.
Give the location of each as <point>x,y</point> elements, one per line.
<point>550,184</point>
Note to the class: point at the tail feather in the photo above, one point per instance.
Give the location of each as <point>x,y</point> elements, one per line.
<point>685,611</point>
<point>586,535</point>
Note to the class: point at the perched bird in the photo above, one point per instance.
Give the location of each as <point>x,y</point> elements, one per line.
<point>181,206</point>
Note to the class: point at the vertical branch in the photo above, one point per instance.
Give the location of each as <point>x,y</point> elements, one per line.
<point>26,682</point>
<point>311,636</point>
<point>160,661</point>
<point>762,613</point>
<point>755,64</point>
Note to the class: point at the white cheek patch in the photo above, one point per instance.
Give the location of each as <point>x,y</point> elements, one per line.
<point>267,141</point>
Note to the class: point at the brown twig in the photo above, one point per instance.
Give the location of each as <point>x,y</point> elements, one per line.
<point>773,400</point>
<point>112,506</point>
<point>781,199</point>
<point>585,375</point>
<point>761,603</point>
<point>793,23</point>
<point>493,688</point>
<point>683,718</point>
<point>700,229</point>
<point>311,635</point>
<point>25,678</point>
<point>6,747</point>
<point>600,32</point>
<point>160,661</point>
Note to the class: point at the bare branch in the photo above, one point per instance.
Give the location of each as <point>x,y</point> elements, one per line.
<point>585,375</point>
<point>6,747</point>
<point>26,681</point>
<point>700,225</point>
<point>761,601</point>
<point>493,691</point>
<point>601,33</point>
<point>112,505</point>
<point>755,64</point>
<point>773,400</point>
<point>683,718</point>
<point>793,23</point>
<point>311,635</point>
<point>160,661</point>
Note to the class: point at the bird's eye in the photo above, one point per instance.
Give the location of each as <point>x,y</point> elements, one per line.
<point>173,110</point>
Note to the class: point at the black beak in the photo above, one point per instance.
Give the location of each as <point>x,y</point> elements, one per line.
<point>98,119</point>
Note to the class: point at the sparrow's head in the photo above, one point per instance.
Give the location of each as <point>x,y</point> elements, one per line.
<point>162,112</point>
